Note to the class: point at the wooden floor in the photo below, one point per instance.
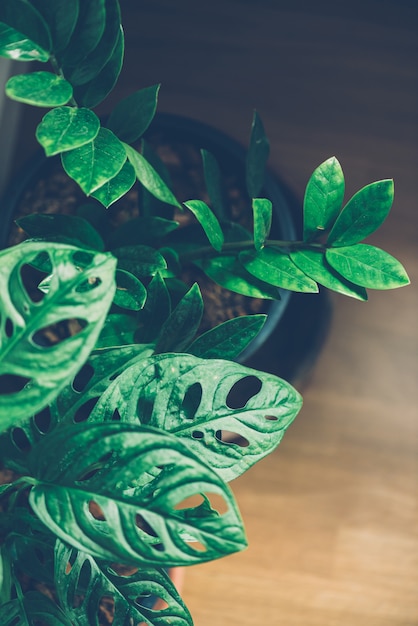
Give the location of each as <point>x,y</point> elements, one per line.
<point>332,515</point>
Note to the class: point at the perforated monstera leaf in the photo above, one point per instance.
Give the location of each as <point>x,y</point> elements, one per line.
<point>208,404</point>
<point>83,582</point>
<point>32,608</point>
<point>46,337</point>
<point>122,492</point>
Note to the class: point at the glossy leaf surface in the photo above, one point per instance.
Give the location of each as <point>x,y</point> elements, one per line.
<point>95,163</point>
<point>229,339</point>
<point>129,591</point>
<point>33,608</point>
<point>314,264</point>
<point>66,128</point>
<point>21,16</point>
<point>130,292</point>
<point>198,400</point>
<point>277,268</point>
<point>42,89</point>
<point>14,45</point>
<point>144,476</point>
<point>257,156</point>
<point>148,177</point>
<point>131,117</point>
<point>181,326</point>
<point>363,214</point>
<point>69,228</point>
<point>33,365</point>
<point>87,32</point>
<point>262,212</point>
<point>208,221</point>
<point>116,187</point>
<point>368,266</point>
<point>323,200</point>
<point>229,273</point>
<point>142,261</point>
<point>61,17</point>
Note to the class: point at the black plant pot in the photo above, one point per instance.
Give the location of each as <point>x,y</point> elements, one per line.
<point>297,323</point>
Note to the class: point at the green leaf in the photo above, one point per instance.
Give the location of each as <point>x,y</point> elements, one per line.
<point>95,91</point>
<point>118,330</point>
<point>95,163</point>
<point>61,17</point>
<point>35,362</point>
<point>199,400</point>
<point>363,214</point>
<point>149,178</point>
<point>21,16</point>
<point>182,325</point>
<point>116,187</point>
<point>67,128</point>
<point>137,478</point>
<point>323,200</point>
<point>42,89</point>
<point>130,292</point>
<point>257,156</point>
<point>131,117</point>
<point>82,582</point>
<point>94,62</point>
<point>314,264</point>
<point>262,211</point>
<point>156,311</point>
<point>142,261</point>
<point>14,45</point>
<point>5,572</point>
<point>70,228</point>
<point>141,230</point>
<point>229,339</point>
<point>33,608</point>
<point>87,32</point>
<point>230,274</point>
<point>368,266</point>
<point>208,221</point>
<point>277,268</point>
<point>212,174</point>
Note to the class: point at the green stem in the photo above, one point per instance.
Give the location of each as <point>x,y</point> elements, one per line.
<point>58,71</point>
<point>234,247</point>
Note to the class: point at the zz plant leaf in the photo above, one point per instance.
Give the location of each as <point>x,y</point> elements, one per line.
<point>118,491</point>
<point>43,89</point>
<point>198,400</point>
<point>35,362</point>
<point>323,199</point>
<point>257,156</point>
<point>131,117</point>
<point>67,128</point>
<point>262,211</point>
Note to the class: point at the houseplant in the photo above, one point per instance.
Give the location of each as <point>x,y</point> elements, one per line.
<point>113,415</point>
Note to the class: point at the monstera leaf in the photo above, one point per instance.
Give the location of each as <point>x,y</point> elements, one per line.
<point>206,403</point>
<point>46,337</point>
<point>122,492</point>
<point>82,583</point>
<point>32,608</point>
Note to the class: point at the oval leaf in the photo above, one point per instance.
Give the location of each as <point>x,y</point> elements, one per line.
<point>68,228</point>
<point>96,162</point>
<point>363,214</point>
<point>61,17</point>
<point>142,261</point>
<point>199,399</point>
<point>323,200</point>
<point>21,16</point>
<point>277,268</point>
<point>14,45</point>
<point>230,274</point>
<point>87,32</point>
<point>181,326</point>
<point>149,178</point>
<point>81,288</point>
<point>208,221</point>
<point>131,117</point>
<point>130,292</point>
<point>314,264</point>
<point>257,156</point>
<point>116,187</point>
<point>42,89</point>
<point>66,128</point>
<point>212,174</point>
<point>368,266</point>
<point>262,211</point>
<point>136,494</point>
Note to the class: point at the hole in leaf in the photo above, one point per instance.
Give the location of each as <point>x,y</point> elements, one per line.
<point>190,503</point>
<point>88,285</point>
<point>31,278</point>
<point>58,332</point>
<point>83,581</point>
<point>116,416</point>
<point>226,436</point>
<point>142,524</point>
<point>83,411</point>
<point>20,440</point>
<point>71,560</point>
<point>145,409</point>
<point>42,420</point>
<point>191,401</point>
<point>242,391</point>
<point>12,383</point>
<point>207,504</point>
<point>197,546</point>
<point>9,327</point>
<point>148,600</point>
<point>159,547</point>
<point>197,434</point>
<point>95,467</point>
<point>83,377</point>
<point>82,259</point>
<point>96,512</point>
